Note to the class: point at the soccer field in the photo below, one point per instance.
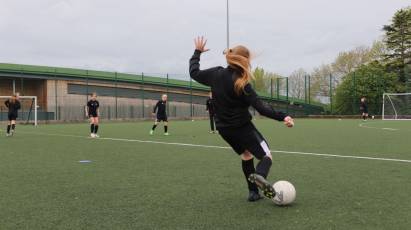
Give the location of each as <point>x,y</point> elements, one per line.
<point>348,175</point>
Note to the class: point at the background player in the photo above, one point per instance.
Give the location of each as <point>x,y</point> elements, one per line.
<point>211,112</point>
<point>161,115</point>
<point>13,104</point>
<point>232,96</point>
<point>364,108</point>
<point>93,112</point>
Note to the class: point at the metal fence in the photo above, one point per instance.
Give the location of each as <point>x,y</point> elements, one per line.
<point>63,94</point>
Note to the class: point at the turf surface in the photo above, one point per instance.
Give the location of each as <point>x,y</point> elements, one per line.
<point>134,185</point>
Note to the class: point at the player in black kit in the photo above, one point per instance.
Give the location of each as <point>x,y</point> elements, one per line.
<point>232,96</point>
<point>364,108</point>
<point>161,115</point>
<point>93,112</point>
<point>211,112</point>
<point>13,104</point>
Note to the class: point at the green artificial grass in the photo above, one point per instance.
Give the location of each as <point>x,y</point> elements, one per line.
<point>134,185</point>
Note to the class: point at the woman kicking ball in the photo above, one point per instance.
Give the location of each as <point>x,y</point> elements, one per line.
<point>232,97</point>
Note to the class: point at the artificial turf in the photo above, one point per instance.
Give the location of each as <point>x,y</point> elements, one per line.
<point>135,185</point>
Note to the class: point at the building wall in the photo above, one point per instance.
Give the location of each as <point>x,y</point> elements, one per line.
<point>68,106</point>
<point>26,87</point>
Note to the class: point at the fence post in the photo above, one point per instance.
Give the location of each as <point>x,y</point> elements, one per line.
<point>309,89</point>
<point>191,98</point>
<point>286,88</point>
<point>305,88</point>
<point>331,95</point>
<point>142,93</point>
<point>115,76</point>
<point>55,94</point>
<point>355,93</point>
<point>168,105</point>
<point>14,86</point>
<point>87,92</point>
<point>271,88</point>
<point>278,88</point>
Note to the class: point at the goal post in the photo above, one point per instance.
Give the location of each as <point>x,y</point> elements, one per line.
<point>28,112</point>
<point>396,106</point>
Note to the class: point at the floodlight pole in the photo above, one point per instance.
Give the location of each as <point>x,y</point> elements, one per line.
<point>228,25</point>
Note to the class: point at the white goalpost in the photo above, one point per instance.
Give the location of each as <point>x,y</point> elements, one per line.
<point>28,111</point>
<point>396,106</point>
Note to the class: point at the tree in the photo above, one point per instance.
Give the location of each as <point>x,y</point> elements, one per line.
<point>297,83</point>
<point>347,62</point>
<point>259,81</point>
<point>262,80</point>
<point>398,42</point>
<point>320,82</point>
<point>371,81</point>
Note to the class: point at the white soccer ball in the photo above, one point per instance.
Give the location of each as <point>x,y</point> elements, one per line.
<point>372,117</point>
<point>285,193</point>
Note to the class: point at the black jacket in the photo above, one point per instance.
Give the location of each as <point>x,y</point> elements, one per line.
<point>160,108</point>
<point>13,107</point>
<point>231,109</point>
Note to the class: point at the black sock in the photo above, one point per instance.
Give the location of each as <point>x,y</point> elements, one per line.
<point>8,128</point>
<point>91,128</point>
<point>13,127</point>
<point>95,129</point>
<point>154,127</point>
<point>248,168</point>
<point>263,167</point>
<point>165,128</point>
<point>363,117</point>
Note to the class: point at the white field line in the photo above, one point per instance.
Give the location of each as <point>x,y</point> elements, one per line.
<point>364,125</point>
<point>222,147</point>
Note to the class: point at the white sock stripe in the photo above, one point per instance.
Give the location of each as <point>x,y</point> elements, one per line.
<point>265,148</point>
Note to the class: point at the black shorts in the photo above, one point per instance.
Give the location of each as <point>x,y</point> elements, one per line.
<point>246,138</point>
<point>12,116</point>
<point>162,118</point>
<point>93,115</point>
<point>364,110</point>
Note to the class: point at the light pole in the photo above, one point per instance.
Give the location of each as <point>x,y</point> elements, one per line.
<point>228,25</point>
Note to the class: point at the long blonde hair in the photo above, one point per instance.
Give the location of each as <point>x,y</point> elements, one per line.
<point>13,98</point>
<point>238,58</point>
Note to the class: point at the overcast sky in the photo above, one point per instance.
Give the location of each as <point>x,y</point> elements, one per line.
<point>157,35</point>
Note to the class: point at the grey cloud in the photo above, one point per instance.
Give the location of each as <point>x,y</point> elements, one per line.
<point>156,35</point>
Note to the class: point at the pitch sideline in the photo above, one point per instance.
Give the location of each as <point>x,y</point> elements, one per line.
<point>223,147</point>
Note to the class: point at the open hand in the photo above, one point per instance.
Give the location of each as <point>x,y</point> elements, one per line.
<point>200,44</point>
<point>289,122</point>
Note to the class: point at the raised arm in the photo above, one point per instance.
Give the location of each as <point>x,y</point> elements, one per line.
<point>202,76</point>
<point>262,108</point>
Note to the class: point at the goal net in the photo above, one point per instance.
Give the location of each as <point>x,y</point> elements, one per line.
<point>27,113</point>
<point>396,106</point>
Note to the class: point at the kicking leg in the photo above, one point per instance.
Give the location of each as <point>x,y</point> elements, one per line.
<point>262,152</point>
